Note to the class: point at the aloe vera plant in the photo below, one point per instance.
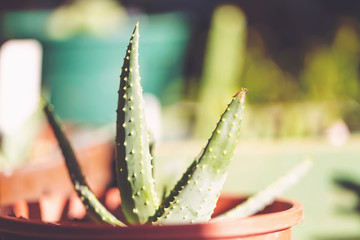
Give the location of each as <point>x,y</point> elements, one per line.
<point>96,210</point>
<point>194,197</point>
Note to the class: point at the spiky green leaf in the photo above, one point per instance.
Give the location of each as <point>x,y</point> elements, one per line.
<point>96,210</point>
<point>194,197</point>
<point>267,196</point>
<point>134,169</point>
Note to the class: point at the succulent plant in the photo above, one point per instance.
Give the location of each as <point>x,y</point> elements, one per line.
<point>194,197</point>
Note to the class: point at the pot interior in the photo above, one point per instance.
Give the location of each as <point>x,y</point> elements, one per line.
<point>60,210</point>
<point>69,221</point>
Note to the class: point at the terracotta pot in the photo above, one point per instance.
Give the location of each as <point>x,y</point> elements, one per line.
<point>49,177</point>
<point>275,222</point>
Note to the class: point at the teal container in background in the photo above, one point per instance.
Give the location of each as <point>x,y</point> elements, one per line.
<point>82,73</point>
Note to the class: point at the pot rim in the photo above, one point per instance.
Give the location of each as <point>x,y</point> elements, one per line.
<point>240,227</point>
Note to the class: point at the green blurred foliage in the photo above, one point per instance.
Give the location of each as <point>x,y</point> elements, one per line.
<point>99,17</point>
<point>266,81</point>
<point>223,65</point>
<point>280,104</point>
<point>16,147</point>
<point>331,72</point>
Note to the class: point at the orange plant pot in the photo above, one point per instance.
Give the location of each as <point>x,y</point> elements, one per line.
<point>50,176</point>
<point>275,222</point>
<point>38,202</point>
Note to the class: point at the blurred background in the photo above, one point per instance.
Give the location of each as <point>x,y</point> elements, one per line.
<point>299,60</point>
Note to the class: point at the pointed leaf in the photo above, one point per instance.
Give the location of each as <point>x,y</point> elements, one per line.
<point>92,204</point>
<point>134,169</point>
<point>194,197</point>
<point>267,196</point>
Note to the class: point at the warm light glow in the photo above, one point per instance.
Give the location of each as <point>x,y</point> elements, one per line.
<point>20,79</point>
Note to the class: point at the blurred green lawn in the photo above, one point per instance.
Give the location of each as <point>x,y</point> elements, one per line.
<point>328,209</point>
